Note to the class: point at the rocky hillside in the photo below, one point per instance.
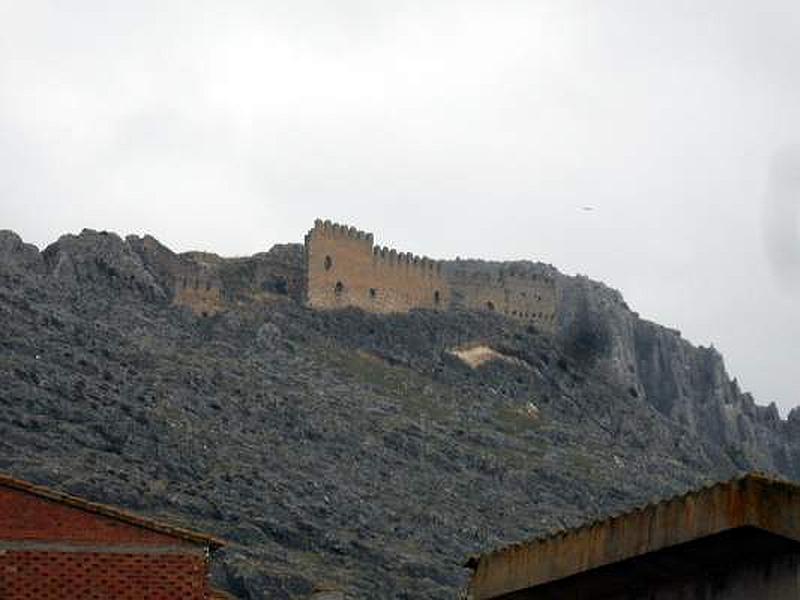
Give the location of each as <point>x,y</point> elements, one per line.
<point>374,453</point>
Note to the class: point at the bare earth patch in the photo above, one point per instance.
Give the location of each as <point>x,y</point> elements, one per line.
<point>475,356</point>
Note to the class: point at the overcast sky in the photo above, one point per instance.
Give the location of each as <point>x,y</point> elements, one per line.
<point>447,128</point>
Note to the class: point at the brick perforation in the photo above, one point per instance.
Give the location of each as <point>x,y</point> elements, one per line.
<point>34,575</point>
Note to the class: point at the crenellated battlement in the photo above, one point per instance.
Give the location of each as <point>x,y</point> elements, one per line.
<point>331,230</point>
<point>392,259</point>
<point>344,267</point>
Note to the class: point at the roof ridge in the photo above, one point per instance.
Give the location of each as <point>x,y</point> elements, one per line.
<point>689,492</point>
<point>109,511</point>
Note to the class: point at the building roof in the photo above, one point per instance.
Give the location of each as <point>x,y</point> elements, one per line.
<point>111,512</point>
<point>750,501</point>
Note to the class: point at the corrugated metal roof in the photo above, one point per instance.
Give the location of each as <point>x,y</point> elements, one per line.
<point>110,511</point>
<point>750,500</point>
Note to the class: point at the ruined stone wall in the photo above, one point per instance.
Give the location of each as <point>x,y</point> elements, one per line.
<point>190,279</point>
<point>198,289</point>
<point>264,277</point>
<point>516,293</point>
<point>344,268</point>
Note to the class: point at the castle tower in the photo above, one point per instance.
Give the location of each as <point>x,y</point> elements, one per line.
<point>345,268</point>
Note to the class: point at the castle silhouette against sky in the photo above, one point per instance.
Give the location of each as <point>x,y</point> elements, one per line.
<point>342,267</point>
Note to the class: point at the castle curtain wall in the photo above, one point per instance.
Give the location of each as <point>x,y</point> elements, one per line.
<point>527,297</point>
<point>344,268</point>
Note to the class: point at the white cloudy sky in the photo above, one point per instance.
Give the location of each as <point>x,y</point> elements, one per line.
<point>446,127</point>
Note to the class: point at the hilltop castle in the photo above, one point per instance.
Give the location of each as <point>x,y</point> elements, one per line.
<point>342,267</point>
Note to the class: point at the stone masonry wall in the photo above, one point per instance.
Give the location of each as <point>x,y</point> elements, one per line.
<point>197,289</point>
<point>516,293</point>
<point>344,268</point>
<point>190,283</point>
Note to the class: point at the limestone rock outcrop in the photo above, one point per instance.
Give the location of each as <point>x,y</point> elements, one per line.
<point>100,258</point>
<point>14,253</point>
<point>686,383</point>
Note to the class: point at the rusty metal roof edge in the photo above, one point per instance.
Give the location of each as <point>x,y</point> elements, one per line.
<point>111,512</point>
<point>473,560</point>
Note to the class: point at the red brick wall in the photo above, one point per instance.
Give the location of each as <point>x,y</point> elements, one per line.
<point>52,551</point>
<point>35,575</point>
<point>24,516</point>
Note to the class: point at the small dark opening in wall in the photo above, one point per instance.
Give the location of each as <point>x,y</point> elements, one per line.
<point>328,263</point>
<point>281,286</point>
<point>197,284</point>
<point>373,292</point>
<point>208,286</point>
<point>490,305</point>
<point>204,314</point>
<point>338,288</point>
<point>437,298</point>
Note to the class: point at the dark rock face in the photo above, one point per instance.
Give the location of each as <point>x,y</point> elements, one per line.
<point>346,447</point>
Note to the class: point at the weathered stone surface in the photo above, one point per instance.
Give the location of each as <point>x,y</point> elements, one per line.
<point>519,290</point>
<point>14,253</point>
<point>100,259</point>
<point>344,268</point>
<point>686,383</point>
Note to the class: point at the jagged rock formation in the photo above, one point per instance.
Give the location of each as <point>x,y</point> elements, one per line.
<point>344,446</point>
<point>685,383</point>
